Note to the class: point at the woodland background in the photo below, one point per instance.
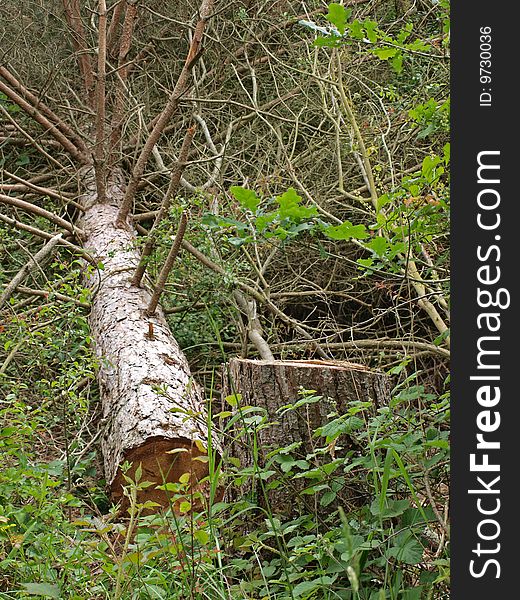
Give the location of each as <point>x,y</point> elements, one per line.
<point>316,192</point>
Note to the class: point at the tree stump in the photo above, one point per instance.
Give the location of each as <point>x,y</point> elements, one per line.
<point>271,385</point>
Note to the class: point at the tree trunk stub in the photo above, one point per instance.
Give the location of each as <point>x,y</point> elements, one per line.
<point>146,388</point>
<point>273,384</point>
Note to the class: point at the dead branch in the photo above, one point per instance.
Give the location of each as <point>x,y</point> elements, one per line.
<point>47,236</point>
<point>27,185</point>
<point>99,154</point>
<point>122,74</point>
<point>44,121</point>
<point>79,43</point>
<point>167,113</point>
<point>34,262</point>
<point>51,294</point>
<point>167,267</point>
<point>41,212</point>
<point>114,26</point>
<point>163,211</point>
<point>44,109</point>
<point>254,329</point>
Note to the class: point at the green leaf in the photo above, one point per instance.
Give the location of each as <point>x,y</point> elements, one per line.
<point>306,587</point>
<point>338,15</point>
<point>371,31</point>
<point>202,536</point>
<point>327,498</point>
<point>382,201</point>
<point>378,245</point>
<point>233,399</point>
<point>397,63</point>
<point>47,590</point>
<point>247,198</point>
<point>385,53</point>
<point>407,549</point>
<point>393,508</point>
<point>346,231</point>
<point>290,207</point>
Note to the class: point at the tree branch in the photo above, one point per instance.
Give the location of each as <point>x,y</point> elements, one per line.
<point>163,211</point>
<point>43,108</point>
<point>41,212</point>
<point>79,43</point>
<point>167,113</point>
<point>99,154</point>
<point>36,260</point>
<point>167,267</point>
<point>44,121</point>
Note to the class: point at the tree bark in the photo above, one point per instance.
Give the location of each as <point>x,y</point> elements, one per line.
<point>271,385</point>
<point>151,404</point>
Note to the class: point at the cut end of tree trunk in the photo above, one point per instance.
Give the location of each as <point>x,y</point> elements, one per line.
<point>163,461</point>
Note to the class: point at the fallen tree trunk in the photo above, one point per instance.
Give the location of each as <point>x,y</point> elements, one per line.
<point>154,410</point>
<point>272,386</point>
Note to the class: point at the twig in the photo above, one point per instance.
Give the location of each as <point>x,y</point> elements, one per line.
<point>38,259</point>
<point>257,295</point>
<point>46,293</point>
<point>254,329</point>
<point>114,24</point>
<point>30,139</point>
<point>41,212</point>
<point>165,116</point>
<point>167,267</point>
<point>44,121</point>
<point>45,110</point>
<point>122,74</point>
<point>99,154</point>
<point>79,43</point>
<point>40,190</point>
<point>163,211</point>
<point>47,236</point>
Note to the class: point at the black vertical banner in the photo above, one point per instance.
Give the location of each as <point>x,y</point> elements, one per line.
<point>485,360</point>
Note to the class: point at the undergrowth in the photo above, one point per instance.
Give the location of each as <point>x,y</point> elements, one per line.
<point>59,537</point>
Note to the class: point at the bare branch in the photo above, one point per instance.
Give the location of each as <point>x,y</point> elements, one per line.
<point>163,211</point>
<point>47,236</point>
<point>254,329</point>
<point>167,267</point>
<point>37,260</point>
<point>41,212</point>
<point>44,121</point>
<point>167,113</point>
<point>122,74</point>
<point>44,109</point>
<point>79,43</point>
<point>99,154</point>
<point>114,25</point>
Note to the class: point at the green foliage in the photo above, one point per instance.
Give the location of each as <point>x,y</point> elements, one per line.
<point>391,47</point>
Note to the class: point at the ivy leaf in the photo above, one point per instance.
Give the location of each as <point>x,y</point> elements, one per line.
<point>289,203</point>
<point>371,31</point>
<point>385,53</point>
<point>397,63</point>
<point>247,198</point>
<point>346,231</point>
